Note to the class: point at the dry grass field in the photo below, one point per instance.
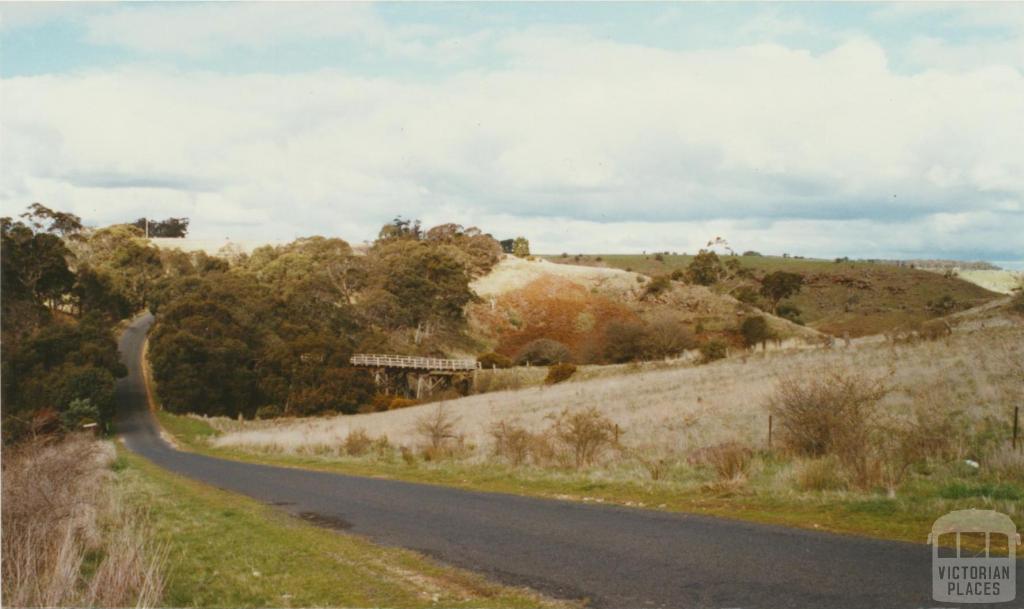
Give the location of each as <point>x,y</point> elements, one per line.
<point>688,406</point>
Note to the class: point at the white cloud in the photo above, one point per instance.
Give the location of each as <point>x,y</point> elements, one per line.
<point>642,148</point>
<point>200,29</point>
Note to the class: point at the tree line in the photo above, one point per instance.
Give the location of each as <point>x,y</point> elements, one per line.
<point>272,333</point>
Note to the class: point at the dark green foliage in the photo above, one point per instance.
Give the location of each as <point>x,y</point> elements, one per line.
<point>543,352</point>
<point>58,347</point>
<point>559,372</point>
<point>171,227</point>
<point>790,312</point>
<point>56,365</point>
<point>79,412</point>
<point>422,283</point>
<point>755,331</point>
<point>493,360</point>
<point>521,247</point>
<point>780,284</point>
<point>713,350</point>
<point>636,340</point>
<point>656,286</point>
<point>705,268</point>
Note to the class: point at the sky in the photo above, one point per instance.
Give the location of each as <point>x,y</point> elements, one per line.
<point>827,130</point>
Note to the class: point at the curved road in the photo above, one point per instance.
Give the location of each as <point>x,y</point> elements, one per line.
<point>614,556</point>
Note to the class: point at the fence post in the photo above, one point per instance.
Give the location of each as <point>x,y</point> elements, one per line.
<point>769,433</point>
<point>1016,425</point>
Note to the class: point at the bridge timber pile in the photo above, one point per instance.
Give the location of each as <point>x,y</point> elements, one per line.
<point>415,376</point>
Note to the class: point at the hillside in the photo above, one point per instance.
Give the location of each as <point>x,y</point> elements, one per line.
<point>689,407</point>
<point>525,300</point>
<point>857,297</point>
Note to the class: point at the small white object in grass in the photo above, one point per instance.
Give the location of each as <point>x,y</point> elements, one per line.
<point>972,463</point>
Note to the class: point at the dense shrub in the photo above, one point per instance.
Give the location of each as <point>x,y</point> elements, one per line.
<point>357,443</point>
<point>559,372</point>
<point>837,413</point>
<point>755,331</point>
<point>790,312</point>
<point>634,340</point>
<point>543,352</point>
<point>270,411</point>
<point>661,283</point>
<point>493,360</point>
<point>713,350</point>
<point>826,413</point>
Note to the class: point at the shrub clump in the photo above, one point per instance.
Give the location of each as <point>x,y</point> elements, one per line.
<point>713,350</point>
<point>543,352</point>
<point>559,372</point>
<point>661,283</point>
<point>755,331</point>
<point>586,434</point>
<point>511,441</point>
<point>492,360</point>
<point>729,460</point>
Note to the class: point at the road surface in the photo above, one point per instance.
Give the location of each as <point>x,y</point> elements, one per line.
<point>613,556</point>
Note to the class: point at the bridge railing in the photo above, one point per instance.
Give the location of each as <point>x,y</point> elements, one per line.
<point>410,361</point>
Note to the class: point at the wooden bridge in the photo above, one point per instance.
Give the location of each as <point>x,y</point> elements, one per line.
<point>413,362</point>
<point>416,376</point>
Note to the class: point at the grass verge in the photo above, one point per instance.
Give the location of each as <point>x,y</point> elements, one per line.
<point>907,517</point>
<point>226,550</point>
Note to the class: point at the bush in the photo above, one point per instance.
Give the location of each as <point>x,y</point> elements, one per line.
<point>78,413</point>
<point>834,413</point>
<point>559,372</point>
<point>656,286</point>
<point>491,360</point>
<point>511,441</point>
<point>383,401</point>
<point>729,460</point>
<point>270,411</point>
<point>713,350</point>
<point>633,340</point>
<point>586,434</point>
<point>790,312</point>
<point>357,443</point>
<point>825,413</point>
<point>437,427</point>
<point>755,331</point>
<point>543,352</point>
<point>678,275</point>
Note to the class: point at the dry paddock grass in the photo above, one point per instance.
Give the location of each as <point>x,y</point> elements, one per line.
<point>69,540</point>
<point>979,371</point>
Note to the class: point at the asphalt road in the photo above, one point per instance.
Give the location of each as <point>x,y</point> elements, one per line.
<point>613,556</point>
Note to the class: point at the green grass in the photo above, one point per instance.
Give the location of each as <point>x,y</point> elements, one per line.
<point>226,550</point>
<point>907,517</point>
<point>858,297</point>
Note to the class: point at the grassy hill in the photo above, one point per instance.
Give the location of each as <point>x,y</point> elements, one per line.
<point>858,297</point>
